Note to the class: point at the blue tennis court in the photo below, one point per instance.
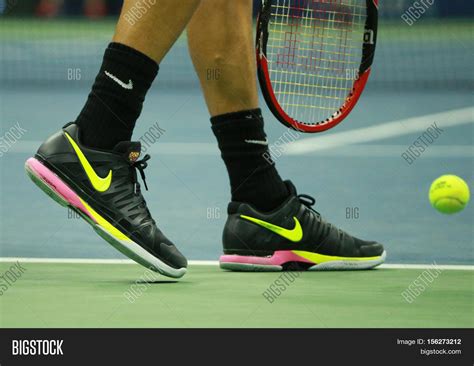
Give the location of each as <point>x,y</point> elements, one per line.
<point>382,195</point>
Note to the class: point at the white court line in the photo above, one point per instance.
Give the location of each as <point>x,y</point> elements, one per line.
<point>208,149</point>
<point>90,261</point>
<point>342,140</point>
<point>428,266</point>
<point>211,263</point>
<point>386,130</point>
<point>392,151</point>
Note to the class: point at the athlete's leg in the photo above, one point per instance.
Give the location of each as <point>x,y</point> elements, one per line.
<point>221,46</point>
<point>153,27</point>
<point>269,226</point>
<point>145,32</point>
<point>91,165</point>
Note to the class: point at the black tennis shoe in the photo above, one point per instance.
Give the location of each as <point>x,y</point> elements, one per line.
<point>293,236</point>
<point>102,186</point>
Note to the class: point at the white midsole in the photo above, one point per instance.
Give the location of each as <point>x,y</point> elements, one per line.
<point>147,259</point>
<point>336,265</point>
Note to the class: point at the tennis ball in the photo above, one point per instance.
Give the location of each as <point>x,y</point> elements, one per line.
<point>449,194</point>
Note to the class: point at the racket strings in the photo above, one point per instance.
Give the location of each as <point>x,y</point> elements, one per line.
<point>314,51</point>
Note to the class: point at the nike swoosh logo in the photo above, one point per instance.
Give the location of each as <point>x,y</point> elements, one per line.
<point>295,235</point>
<point>128,86</point>
<point>99,184</point>
<point>257,142</point>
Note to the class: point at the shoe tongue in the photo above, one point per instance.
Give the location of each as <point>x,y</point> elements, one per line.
<point>130,150</point>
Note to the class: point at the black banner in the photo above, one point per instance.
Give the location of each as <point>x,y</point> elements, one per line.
<point>244,346</point>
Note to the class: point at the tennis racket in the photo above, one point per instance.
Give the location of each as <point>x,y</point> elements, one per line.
<point>314,58</point>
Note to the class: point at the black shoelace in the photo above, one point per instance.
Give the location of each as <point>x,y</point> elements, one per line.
<point>308,201</point>
<point>140,165</point>
<point>324,230</point>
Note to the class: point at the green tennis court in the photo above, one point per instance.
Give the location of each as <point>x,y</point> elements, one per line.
<point>126,295</point>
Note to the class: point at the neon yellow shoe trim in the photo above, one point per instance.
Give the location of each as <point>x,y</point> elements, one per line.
<point>112,230</point>
<point>321,258</point>
<point>99,184</point>
<point>294,235</point>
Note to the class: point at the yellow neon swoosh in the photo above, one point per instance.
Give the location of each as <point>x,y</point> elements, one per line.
<point>112,230</point>
<point>99,184</point>
<point>294,235</point>
<point>321,258</point>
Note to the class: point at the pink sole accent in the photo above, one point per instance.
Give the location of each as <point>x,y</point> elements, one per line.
<point>277,259</point>
<point>55,183</point>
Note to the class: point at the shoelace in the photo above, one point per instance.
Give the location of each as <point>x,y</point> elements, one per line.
<point>140,165</point>
<point>308,201</point>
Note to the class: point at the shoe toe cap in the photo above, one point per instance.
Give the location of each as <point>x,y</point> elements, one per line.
<point>171,255</point>
<point>371,249</point>
<point>156,243</point>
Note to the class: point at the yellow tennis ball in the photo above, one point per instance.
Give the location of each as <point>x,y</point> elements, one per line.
<point>449,194</point>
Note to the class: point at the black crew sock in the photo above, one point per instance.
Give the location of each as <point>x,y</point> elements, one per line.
<point>244,148</point>
<point>117,97</point>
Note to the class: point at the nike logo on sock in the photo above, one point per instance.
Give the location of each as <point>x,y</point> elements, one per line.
<point>257,142</point>
<point>128,86</point>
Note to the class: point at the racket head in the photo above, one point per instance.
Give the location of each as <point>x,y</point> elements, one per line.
<point>314,58</point>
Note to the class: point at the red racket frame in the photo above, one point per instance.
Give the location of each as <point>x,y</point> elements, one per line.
<point>352,98</point>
